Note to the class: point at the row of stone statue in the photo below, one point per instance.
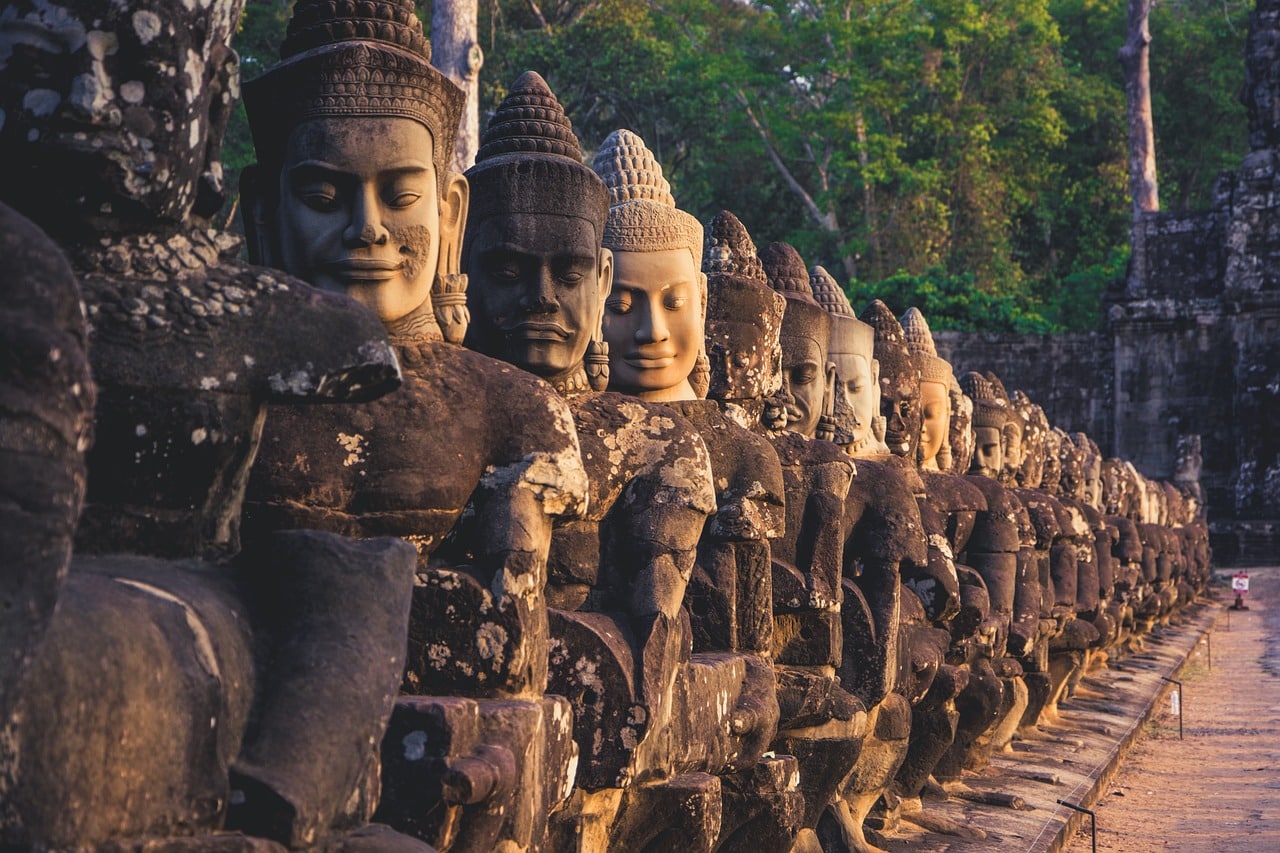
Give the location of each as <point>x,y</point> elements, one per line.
<point>696,558</point>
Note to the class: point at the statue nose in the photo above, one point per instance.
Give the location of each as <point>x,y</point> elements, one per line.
<point>365,227</point>
<point>540,296</point>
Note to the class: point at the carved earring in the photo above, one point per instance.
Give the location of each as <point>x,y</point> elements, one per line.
<point>700,376</point>
<point>597,364</point>
<point>449,304</point>
<point>826,428</point>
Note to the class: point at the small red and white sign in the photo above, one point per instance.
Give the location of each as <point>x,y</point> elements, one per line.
<point>1240,583</point>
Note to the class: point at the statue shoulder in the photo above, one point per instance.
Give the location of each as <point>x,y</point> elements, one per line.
<point>634,440</point>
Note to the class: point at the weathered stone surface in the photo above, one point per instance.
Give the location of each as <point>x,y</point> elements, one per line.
<point>46,402</point>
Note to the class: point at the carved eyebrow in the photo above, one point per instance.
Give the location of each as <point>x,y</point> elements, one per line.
<point>411,167</point>
<point>514,249</point>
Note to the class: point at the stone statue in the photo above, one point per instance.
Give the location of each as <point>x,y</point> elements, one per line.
<point>855,404</point>
<point>208,669</point>
<point>1045,515</point>
<point>960,438</point>
<point>539,282</point>
<point>899,382</point>
<point>354,192</point>
<point>653,323</point>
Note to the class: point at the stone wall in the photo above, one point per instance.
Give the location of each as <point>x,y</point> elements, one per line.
<point>1070,376</point>
<point>1193,337</point>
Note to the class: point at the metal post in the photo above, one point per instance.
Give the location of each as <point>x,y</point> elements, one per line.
<point>1180,703</point>
<point>1093,821</point>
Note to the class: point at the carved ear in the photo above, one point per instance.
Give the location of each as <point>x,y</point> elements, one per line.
<point>454,203</point>
<point>829,394</point>
<point>259,215</point>
<point>605,273</point>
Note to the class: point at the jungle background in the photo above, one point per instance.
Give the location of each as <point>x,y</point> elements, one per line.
<point>968,157</point>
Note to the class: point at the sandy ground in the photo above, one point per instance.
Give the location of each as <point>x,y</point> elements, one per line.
<point>1218,789</point>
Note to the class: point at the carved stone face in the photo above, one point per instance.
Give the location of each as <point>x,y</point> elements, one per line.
<point>804,379</point>
<point>653,324</point>
<point>1036,425</point>
<point>538,282</point>
<point>936,419</point>
<point>988,451</point>
<point>1072,477</point>
<point>960,434</point>
<point>1051,479</point>
<point>1093,480</point>
<point>855,390</point>
<point>1011,437</point>
<point>359,211</point>
<point>116,107</point>
<point>900,405</point>
<point>741,356</point>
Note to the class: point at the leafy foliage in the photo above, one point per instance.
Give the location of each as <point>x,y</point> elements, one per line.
<point>965,156</point>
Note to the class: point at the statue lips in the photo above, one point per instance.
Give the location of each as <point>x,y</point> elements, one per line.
<point>364,270</point>
<point>650,359</point>
<point>534,330</point>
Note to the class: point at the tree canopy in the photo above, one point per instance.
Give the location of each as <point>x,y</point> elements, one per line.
<point>965,156</point>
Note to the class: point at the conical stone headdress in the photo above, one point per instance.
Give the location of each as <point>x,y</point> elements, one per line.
<point>738,293</point>
<point>784,269</point>
<point>344,58</point>
<point>828,293</point>
<point>729,250</point>
<point>891,341</point>
<point>786,273</point>
<point>643,216</point>
<point>848,333</point>
<point>988,411</point>
<point>920,345</point>
<point>530,161</point>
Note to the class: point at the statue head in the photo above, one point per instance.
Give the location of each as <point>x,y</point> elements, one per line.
<point>960,433</point>
<point>989,417</point>
<point>857,374</point>
<point>899,382</point>
<point>1091,469</point>
<point>806,337</point>
<point>1010,434</point>
<point>655,314</point>
<point>1136,488</point>
<point>102,131</point>
<point>1034,426</point>
<point>1051,477</point>
<point>744,316</point>
<point>936,377</point>
<point>539,276</point>
<point>1113,483</point>
<point>1072,456</point>
<point>354,132</point>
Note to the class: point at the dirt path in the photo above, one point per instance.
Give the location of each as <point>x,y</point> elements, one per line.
<point>1218,789</point>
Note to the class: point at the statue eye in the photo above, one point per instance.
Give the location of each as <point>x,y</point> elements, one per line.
<point>620,304</point>
<point>404,200</point>
<point>675,302</point>
<point>803,375</point>
<point>321,196</point>
<point>741,359</point>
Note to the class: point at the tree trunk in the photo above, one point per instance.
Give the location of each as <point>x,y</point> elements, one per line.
<point>1137,86</point>
<point>456,52</point>
<point>869,213</point>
